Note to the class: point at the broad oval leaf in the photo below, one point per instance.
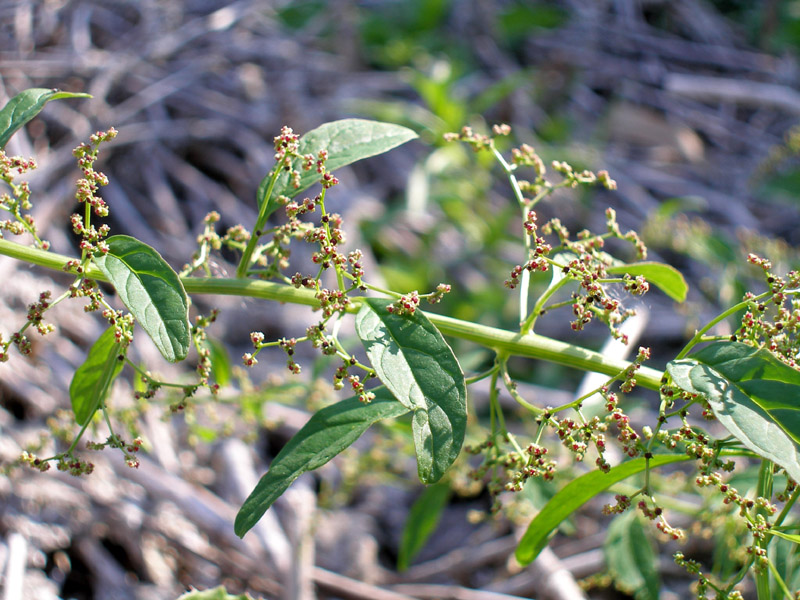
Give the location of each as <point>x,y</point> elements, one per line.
<point>347,141</point>
<point>413,360</point>
<point>632,563</point>
<point>753,395</point>
<point>326,434</point>
<point>421,523</point>
<point>574,495</point>
<point>152,291</point>
<point>25,106</point>
<point>92,380</point>
<point>665,277</point>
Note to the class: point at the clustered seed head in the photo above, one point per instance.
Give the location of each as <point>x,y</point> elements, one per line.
<point>36,314</point>
<point>773,322</point>
<point>656,513</point>
<point>407,304</point>
<point>476,140</point>
<point>129,449</point>
<point>622,504</point>
<point>19,200</point>
<point>441,290</point>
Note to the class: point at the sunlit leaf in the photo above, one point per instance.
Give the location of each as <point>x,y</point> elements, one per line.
<point>25,106</point>
<point>347,141</point>
<point>218,593</point>
<point>574,495</point>
<point>754,395</point>
<point>413,360</point>
<point>152,291</point>
<point>792,537</point>
<point>665,277</point>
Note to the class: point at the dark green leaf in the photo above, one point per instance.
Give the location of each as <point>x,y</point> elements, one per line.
<point>574,495</point>
<point>632,563</point>
<point>754,395</point>
<point>665,277</point>
<point>26,105</point>
<point>93,379</point>
<point>412,359</point>
<point>326,434</point>
<point>152,291</point>
<point>421,523</point>
<point>346,141</point>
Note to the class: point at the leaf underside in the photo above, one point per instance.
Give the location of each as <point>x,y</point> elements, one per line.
<point>413,360</point>
<point>753,395</point>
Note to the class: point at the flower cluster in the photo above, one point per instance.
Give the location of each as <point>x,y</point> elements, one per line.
<point>129,449</point>
<point>199,337</point>
<point>656,513</point>
<point>18,202</point>
<point>630,439</point>
<point>772,319</point>
<point>405,305</point>
<point>538,254</point>
<point>36,314</point>
<point>478,141</point>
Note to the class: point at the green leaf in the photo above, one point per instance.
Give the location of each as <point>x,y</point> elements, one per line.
<point>221,370</point>
<point>326,434</point>
<point>574,495</point>
<point>152,291</point>
<point>753,395</point>
<point>412,359</point>
<point>26,105</point>
<point>346,141</point>
<point>218,593</point>
<point>632,563</point>
<point>665,277</point>
<point>794,538</point>
<point>92,380</point>
<point>421,523</point>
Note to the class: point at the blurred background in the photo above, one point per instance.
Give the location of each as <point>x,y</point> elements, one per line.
<point>691,105</point>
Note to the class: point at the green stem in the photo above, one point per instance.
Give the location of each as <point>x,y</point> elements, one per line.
<point>247,255</point>
<point>531,345</point>
<point>530,321</point>
<point>526,276</point>
<point>788,507</point>
<point>698,336</point>
<point>764,490</point>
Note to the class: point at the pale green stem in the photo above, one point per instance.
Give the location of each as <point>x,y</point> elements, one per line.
<point>247,255</point>
<point>764,490</point>
<point>531,345</point>
<point>526,276</point>
<point>530,321</point>
<point>781,583</point>
<point>788,507</point>
<point>698,336</point>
